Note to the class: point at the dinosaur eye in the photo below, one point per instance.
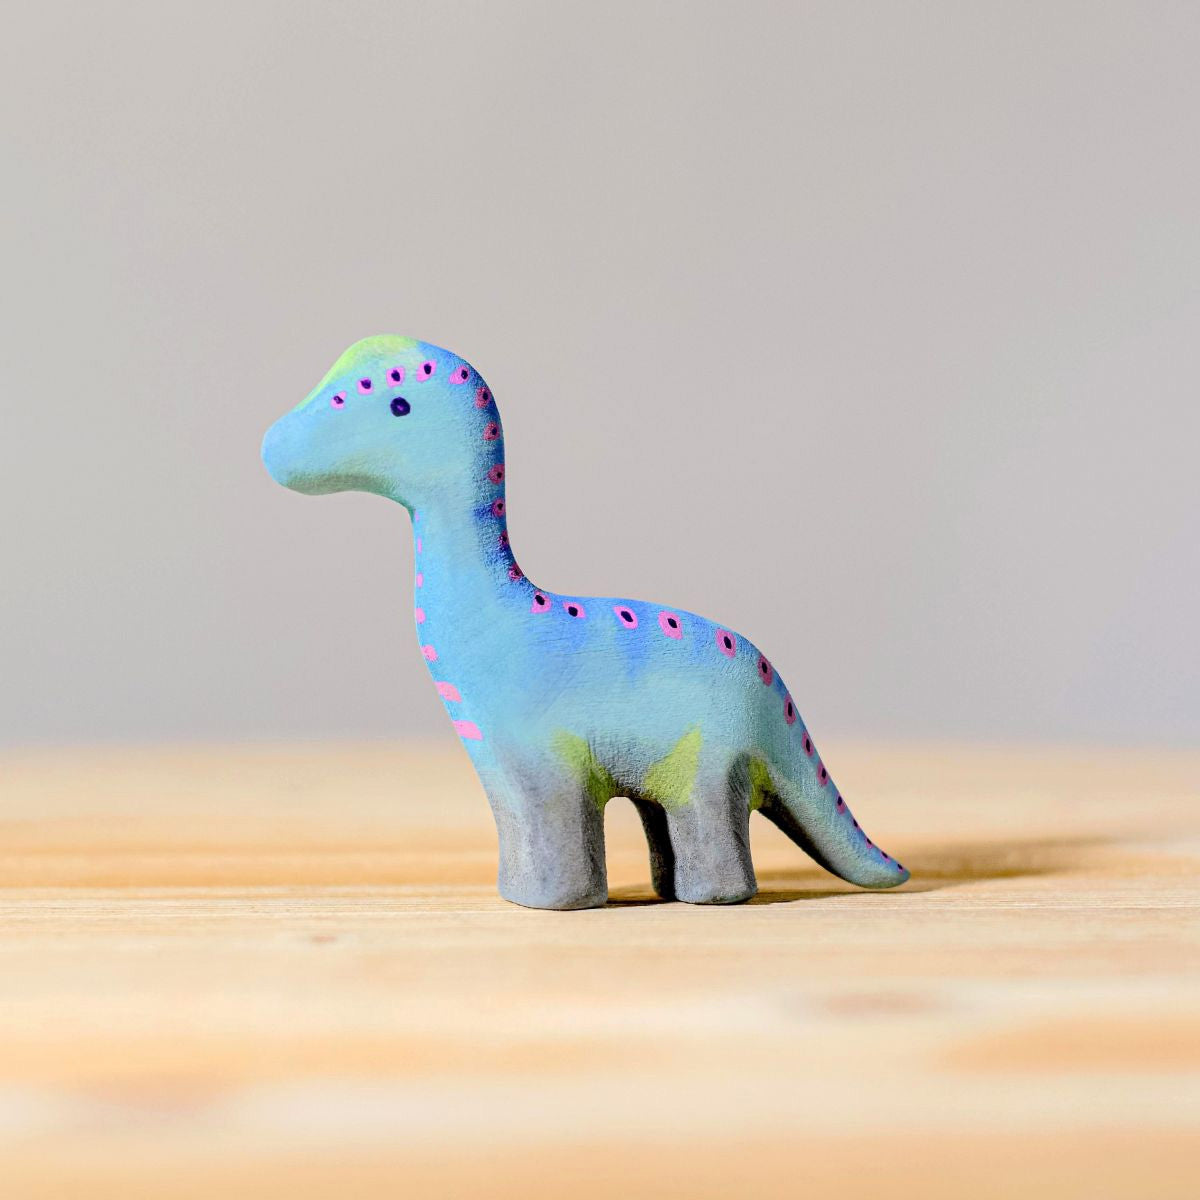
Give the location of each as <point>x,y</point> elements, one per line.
<point>427,368</point>
<point>401,407</point>
<point>338,401</point>
<point>364,385</point>
<point>396,376</point>
<point>459,375</point>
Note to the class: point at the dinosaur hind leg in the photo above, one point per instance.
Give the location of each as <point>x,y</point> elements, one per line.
<point>706,818</point>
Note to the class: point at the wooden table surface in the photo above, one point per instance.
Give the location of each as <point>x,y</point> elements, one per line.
<point>285,972</point>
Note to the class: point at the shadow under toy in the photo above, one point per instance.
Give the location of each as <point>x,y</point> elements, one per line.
<point>564,702</point>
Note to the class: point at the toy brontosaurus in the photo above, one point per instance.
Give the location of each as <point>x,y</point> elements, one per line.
<point>566,701</point>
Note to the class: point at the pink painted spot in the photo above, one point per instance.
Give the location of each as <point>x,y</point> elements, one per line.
<point>574,609</point>
<point>364,385</point>
<point>726,643</point>
<point>426,369</point>
<point>898,866</point>
<point>419,545</point>
<point>469,730</point>
<point>338,401</point>
<point>496,473</point>
<point>491,431</point>
<point>765,671</point>
<point>483,397</point>
<point>420,579</point>
<point>430,653</point>
<point>841,804</point>
<point>809,748</point>
<point>460,375</point>
<point>503,537</point>
<point>626,616</point>
<point>396,376</point>
<point>789,711</point>
<point>822,774</point>
<point>448,691</point>
<point>540,603</point>
<point>669,623</point>
<point>497,508</point>
<point>515,573</point>
<point>420,615</point>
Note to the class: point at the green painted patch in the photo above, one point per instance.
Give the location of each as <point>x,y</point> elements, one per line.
<point>670,780</point>
<point>760,783</point>
<point>577,754</point>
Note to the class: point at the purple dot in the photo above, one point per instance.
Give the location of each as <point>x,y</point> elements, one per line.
<point>540,603</point>
<point>396,376</point>
<point>626,616</point>
<point>498,508</point>
<point>364,385</point>
<point>459,375</point>
<point>764,670</point>
<point>482,398</point>
<point>496,473</point>
<point>491,431</point>
<point>808,746</point>
<point>338,401</point>
<point>574,609</point>
<point>668,622</point>
<point>427,369</point>
<point>726,643</point>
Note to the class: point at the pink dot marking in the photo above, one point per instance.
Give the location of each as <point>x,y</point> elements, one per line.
<point>822,774</point>
<point>540,603</point>
<point>420,615</point>
<point>448,691</point>
<point>765,671</point>
<point>809,748</point>
<point>427,369</point>
<point>420,579</point>
<point>338,401</point>
<point>459,375</point>
<point>491,431</point>
<point>726,643</point>
<point>364,385</point>
<point>469,730</point>
<point>669,623</point>
<point>497,508</point>
<point>626,616</point>
<point>483,397</point>
<point>503,539</point>
<point>574,609</point>
<point>419,547</point>
<point>841,804</point>
<point>396,376</point>
<point>496,473</point>
<point>515,573</point>
<point>789,711</point>
<point>430,653</point>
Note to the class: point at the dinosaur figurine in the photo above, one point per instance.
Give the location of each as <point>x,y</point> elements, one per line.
<point>566,701</point>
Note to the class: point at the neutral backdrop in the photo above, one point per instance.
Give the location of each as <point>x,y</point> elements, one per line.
<point>869,330</point>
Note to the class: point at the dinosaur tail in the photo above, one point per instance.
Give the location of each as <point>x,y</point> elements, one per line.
<point>806,805</point>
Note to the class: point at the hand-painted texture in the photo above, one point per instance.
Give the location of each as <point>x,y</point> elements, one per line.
<point>564,701</point>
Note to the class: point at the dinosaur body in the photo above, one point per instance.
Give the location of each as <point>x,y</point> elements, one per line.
<point>565,701</point>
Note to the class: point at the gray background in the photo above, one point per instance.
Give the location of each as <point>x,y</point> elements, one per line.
<point>868,330</point>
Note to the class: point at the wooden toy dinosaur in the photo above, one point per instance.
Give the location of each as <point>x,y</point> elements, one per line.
<point>564,702</point>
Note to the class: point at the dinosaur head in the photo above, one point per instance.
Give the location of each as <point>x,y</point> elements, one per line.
<point>393,416</point>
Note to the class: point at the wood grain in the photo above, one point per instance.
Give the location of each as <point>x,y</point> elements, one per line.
<point>285,972</point>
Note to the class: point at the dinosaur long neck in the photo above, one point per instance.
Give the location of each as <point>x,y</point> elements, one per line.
<point>468,587</point>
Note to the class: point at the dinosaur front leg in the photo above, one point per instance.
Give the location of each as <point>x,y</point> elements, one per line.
<point>551,833</point>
